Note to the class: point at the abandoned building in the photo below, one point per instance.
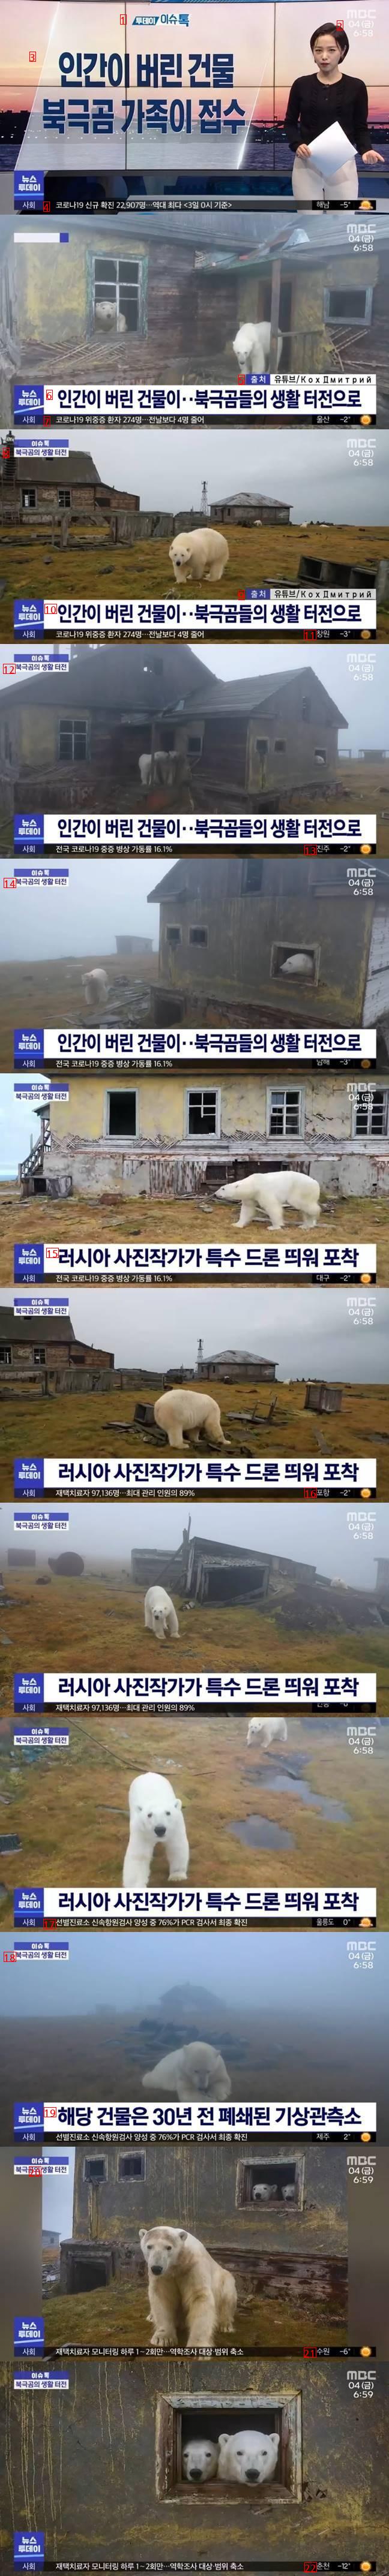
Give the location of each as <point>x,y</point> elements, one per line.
<point>46,489</point>
<point>231,1366</point>
<point>47,1355</point>
<point>204,1569</point>
<point>81,738</point>
<point>235,928</point>
<point>179,316</point>
<point>250,510</point>
<point>161,1138</point>
<point>292,2246</point>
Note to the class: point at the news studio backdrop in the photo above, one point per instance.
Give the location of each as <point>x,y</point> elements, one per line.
<point>194,1098</point>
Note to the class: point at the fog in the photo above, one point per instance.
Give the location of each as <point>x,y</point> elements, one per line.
<point>112,1972</point>
<point>86,920</point>
<point>307,1333</point>
<point>330,1537</point>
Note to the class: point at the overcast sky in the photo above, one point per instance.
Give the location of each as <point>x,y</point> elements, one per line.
<point>323,1537</point>
<point>308,1333</point>
<point>313,474</point>
<point>357,679</point>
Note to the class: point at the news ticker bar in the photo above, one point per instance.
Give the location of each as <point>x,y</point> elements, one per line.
<point>49,2380</point>
<point>33,1690</point>
<point>78,1905</point>
<point>135,832</point>
<point>82,2566</point>
<point>118,2119</point>
<point>281,608</point>
<point>92,1479</point>
<point>159,1048</point>
<point>124,1264</point>
<point>282,397</point>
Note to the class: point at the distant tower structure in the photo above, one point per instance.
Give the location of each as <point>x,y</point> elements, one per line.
<point>382,1575</point>
<point>205,504</point>
<point>200,1353</point>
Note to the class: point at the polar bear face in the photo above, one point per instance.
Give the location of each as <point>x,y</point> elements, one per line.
<point>247,2459</point>
<point>153,1807</point>
<point>161,2247</point>
<point>160,1623</point>
<point>199,2462</point>
<point>180,553</point>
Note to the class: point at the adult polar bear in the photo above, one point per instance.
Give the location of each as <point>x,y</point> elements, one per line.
<point>199,553</point>
<point>160,1614</point>
<point>156,1822</point>
<point>195,2073</point>
<point>192,2299</point>
<point>268,1193</point>
<point>248,2458</point>
<point>267,1728</point>
<point>182,1409</point>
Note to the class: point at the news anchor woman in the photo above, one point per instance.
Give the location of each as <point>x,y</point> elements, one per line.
<point>327,96</point>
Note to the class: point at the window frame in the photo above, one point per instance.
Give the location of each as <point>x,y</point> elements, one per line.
<point>210,1135</point>
<point>120,1138</point>
<point>246,2165</point>
<point>283,1139</point>
<point>168,2446</point>
<point>283,945</point>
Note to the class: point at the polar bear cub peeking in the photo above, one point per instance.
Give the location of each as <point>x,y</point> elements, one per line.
<point>268,1193</point>
<point>192,2074</point>
<point>199,2462</point>
<point>192,2299</point>
<point>160,1614</point>
<point>156,1823</point>
<point>248,2458</point>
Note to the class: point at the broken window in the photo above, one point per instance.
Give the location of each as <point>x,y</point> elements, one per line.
<point>203,1113</point>
<point>173,936</point>
<point>64,497</point>
<point>73,738</point>
<point>348,304</point>
<point>371,1113</point>
<point>121,1113</point>
<point>29,497</point>
<point>285,1113</point>
<point>95,2168</point>
<point>198,938</point>
<point>201,2418</point>
<point>270,2182</point>
<point>132,2168</point>
<point>6,1356</point>
<point>252,874</point>
<point>39,1357</point>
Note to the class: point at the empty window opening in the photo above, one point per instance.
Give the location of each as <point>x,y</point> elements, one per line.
<point>253,875</point>
<point>173,936</point>
<point>270,2183</point>
<point>6,1356</point>
<point>39,1357</point>
<point>198,938</point>
<point>29,497</point>
<point>279,744</point>
<point>132,2168</point>
<point>321,758</point>
<point>121,1113</point>
<point>95,2168</point>
<point>261,743</point>
<point>348,304</point>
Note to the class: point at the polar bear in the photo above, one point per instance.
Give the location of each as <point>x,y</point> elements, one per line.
<point>160,1614</point>
<point>191,2074</point>
<point>162,768</point>
<point>201,552</point>
<point>181,1409</point>
<point>267,1193</point>
<point>264,2191</point>
<point>252,348</point>
<point>192,2299</point>
<point>95,984</point>
<point>248,2458</point>
<point>156,1821</point>
<point>199,2462</point>
<point>267,1728</point>
<point>109,319</point>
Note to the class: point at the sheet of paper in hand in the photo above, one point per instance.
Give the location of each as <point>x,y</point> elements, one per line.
<point>330,151</point>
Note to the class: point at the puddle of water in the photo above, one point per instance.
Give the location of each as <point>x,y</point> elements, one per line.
<point>261,1834</point>
<point>10,1842</point>
<point>283,1780</point>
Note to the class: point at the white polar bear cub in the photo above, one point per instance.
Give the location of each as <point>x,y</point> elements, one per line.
<point>181,1409</point>
<point>267,1728</point>
<point>201,551</point>
<point>160,1614</point>
<point>267,1193</point>
<point>252,347</point>
<point>199,2462</point>
<point>192,2298</point>
<point>156,1820</point>
<point>191,2074</point>
<point>248,2458</point>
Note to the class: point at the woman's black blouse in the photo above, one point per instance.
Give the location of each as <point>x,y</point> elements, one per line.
<point>312,106</point>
